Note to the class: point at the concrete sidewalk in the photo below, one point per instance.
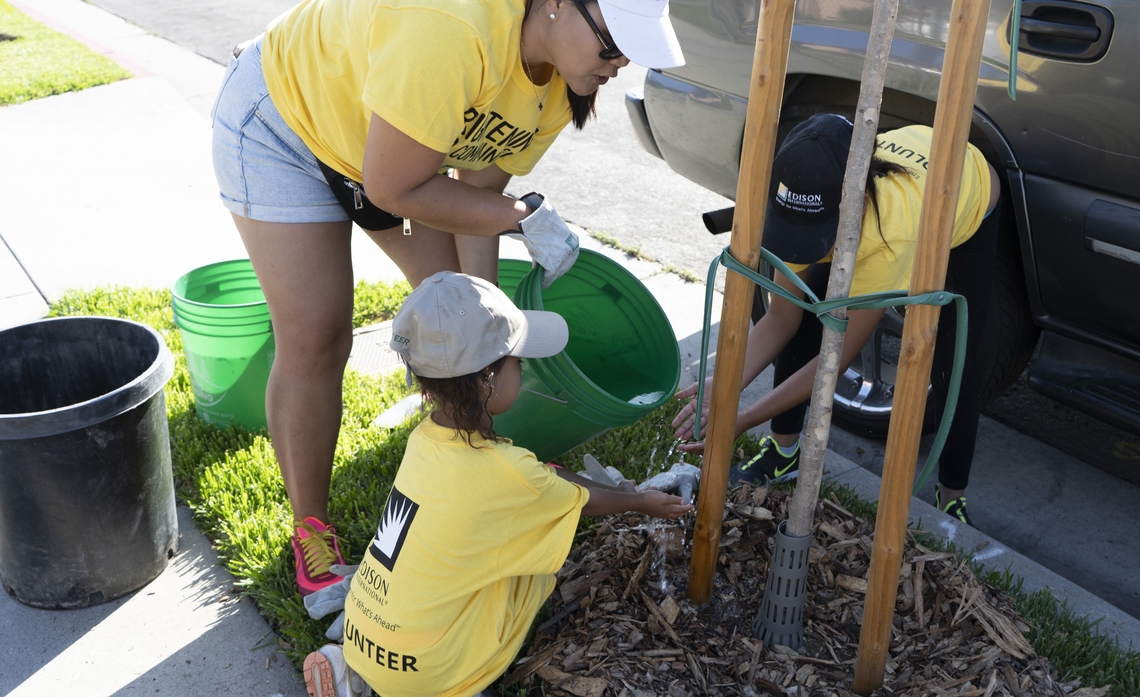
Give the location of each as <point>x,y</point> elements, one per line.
<point>113,185</point>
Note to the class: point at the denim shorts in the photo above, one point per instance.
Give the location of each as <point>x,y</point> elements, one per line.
<point>265,171</point>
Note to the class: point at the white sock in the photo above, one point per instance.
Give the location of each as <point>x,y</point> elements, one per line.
<point>788,452</point>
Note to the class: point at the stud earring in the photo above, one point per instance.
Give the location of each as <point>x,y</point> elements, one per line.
<point>553,16</point>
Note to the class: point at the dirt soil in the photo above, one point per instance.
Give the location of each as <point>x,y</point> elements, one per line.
<point>620,622</point>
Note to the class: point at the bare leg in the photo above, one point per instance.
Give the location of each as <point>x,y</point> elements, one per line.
<point>419,255</point>
<point>479,256</point>
<point>305,271</point>
<point>948,495</point>
<point>427,251</point>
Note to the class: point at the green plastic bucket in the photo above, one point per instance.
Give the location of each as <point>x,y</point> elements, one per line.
<point>228,340</point>
<point>511,273</point>
<point>621,362</point>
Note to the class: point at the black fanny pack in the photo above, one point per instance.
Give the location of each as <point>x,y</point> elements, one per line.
<point>350,195</point>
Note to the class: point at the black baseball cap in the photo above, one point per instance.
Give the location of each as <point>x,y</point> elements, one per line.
<point>807,183</point>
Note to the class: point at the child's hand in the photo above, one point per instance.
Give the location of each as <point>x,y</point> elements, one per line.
<point>658,504</point>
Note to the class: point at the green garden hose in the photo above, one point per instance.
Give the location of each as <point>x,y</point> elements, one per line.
<point>822,309</point>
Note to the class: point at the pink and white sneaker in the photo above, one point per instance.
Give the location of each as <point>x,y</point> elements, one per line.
<point>327,675</point>
<point>315,550</point>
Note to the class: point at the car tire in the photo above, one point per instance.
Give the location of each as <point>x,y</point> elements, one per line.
<point>863,398</point>
<point>1011,337</point>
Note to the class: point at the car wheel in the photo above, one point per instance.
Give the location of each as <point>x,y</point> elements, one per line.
<point>865,392</point>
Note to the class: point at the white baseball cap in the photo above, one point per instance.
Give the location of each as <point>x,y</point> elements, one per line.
<point>454,324</point>
<point>643,32</point>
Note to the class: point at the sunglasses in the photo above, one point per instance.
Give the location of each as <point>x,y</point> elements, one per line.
<point>609,50</point>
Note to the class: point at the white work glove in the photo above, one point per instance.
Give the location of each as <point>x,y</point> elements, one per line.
<point>551,243</point>
<point>331,599</point>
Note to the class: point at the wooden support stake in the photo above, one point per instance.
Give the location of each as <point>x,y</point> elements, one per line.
<point>940,198</point>
<point>765,96</point>
<point>801,509</point>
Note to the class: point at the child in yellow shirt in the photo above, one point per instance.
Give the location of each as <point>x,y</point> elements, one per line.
<point>474,528</point>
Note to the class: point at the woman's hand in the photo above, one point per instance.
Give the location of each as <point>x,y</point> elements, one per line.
<point>658,504</point>
<point>550,242</point>
<point>698,447</point>
<point>683,423</point>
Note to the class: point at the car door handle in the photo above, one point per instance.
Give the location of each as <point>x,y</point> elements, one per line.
<point>1059,29</point>
<point>1113,230</point>
<point>1065,30</point>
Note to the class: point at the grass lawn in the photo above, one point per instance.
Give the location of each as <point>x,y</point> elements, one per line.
<point>230,478</point>
<point>36,61</point>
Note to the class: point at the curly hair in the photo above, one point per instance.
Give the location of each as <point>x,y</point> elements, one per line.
<point>464,400</point>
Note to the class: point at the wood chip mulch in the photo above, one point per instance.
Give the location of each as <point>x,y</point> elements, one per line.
<point>620,623</point>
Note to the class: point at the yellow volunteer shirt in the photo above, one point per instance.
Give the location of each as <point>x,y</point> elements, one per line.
<point>885,261</point>
<point>447,73</point>
<point>464,557</point>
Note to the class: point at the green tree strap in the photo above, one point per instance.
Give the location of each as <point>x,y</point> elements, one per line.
<point>822,309</point>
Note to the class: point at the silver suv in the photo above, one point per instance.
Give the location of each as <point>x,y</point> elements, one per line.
<point>1068,149</point>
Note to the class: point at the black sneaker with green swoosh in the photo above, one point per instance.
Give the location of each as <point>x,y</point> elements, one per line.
<point>769,462</point>
<point>956,508</point>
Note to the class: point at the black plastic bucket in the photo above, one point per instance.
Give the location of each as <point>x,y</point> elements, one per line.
<point>86,491</point>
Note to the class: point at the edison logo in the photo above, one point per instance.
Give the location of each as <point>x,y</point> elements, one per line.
<point>399,513</point>
<point>782,193</point>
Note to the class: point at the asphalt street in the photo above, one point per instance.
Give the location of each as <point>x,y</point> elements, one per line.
<point>601,179</point>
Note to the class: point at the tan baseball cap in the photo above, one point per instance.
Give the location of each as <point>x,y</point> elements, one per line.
<point>454,324</point>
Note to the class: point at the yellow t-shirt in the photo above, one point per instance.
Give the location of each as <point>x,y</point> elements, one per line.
<point>885,261</point>
<point>446,73</point>
<point>464,556</point>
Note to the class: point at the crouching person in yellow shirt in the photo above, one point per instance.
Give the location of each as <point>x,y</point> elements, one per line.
<point>474,528</point>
